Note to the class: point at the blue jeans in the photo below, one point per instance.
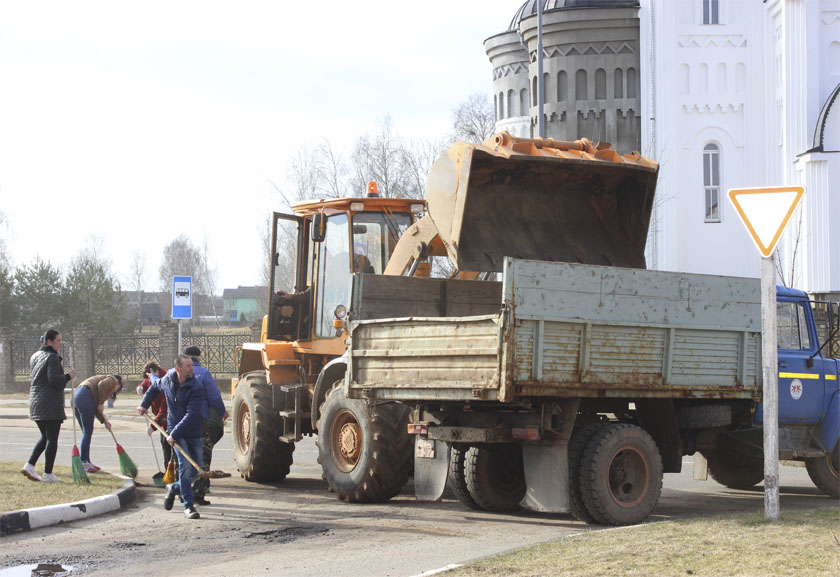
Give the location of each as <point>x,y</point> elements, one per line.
<point>186,472</point>
<point>83,401</point>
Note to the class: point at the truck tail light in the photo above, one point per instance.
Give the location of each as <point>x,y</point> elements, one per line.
<point>418,429</point>
<point>526,434</point>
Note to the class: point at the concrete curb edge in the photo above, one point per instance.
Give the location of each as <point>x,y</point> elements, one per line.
<point>29,519</point>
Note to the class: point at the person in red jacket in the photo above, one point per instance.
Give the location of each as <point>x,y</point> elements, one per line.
<point>153,371</point>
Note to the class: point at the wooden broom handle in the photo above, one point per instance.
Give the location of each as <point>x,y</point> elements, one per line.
<point>162,432</point>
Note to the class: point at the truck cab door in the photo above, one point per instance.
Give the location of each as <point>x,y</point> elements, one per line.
<point>801,387</point>
<point>287,266</point>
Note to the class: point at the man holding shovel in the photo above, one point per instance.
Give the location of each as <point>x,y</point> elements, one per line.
<point>185,401</point>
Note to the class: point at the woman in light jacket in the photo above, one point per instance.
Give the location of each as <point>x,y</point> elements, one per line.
<point>90,398</point>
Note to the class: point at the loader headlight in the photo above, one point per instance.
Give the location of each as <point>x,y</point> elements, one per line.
<point>340,312</point>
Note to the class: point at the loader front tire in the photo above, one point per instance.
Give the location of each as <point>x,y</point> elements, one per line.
<point>825,472</point>
<point>495,477</point>
<point>365,458</point>
<point>257,450</point>
<point>621,475</point>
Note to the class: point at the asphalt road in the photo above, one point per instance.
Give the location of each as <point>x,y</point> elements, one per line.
<point>298,528</point>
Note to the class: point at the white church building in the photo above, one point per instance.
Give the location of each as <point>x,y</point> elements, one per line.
<point>722,93</point>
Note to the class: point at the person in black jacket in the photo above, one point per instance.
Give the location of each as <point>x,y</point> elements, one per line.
<point>46,404</point>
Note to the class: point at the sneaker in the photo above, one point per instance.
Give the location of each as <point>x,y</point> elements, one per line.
<point>169,498</point>
<point>91,468</point>
<point>191,513</point>
<point>50,478</point>
<point>30,473</point>
<point>201,501</point>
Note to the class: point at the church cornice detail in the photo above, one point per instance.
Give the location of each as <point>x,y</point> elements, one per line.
<point>720,41</point>
<point>716,108</point>
<point>510,70</point>
<point>830,17</point>
<point>588,49</point>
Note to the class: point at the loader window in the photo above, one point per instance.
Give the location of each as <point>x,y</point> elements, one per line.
<point>792,329</point>
<point>333,273</point>
<point>375,234</point>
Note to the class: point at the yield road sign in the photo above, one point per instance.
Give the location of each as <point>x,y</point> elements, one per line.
<point>765,212</point>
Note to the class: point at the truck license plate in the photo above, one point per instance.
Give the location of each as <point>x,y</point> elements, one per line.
<point>425,448</point>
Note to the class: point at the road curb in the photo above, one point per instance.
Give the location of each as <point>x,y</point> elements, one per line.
<point>37,517</point>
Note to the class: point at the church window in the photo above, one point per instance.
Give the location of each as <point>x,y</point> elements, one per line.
<point>618,83</point>
<point>710,12</point>
<point>534,91</point>
<point>711,181</point>
<point>580,85</point>
<point>631,83</point>
<point>523,102</point>
<point>562,86</point>
<point>600,84</point>
<point>501,105</point>
<point>510,103</point>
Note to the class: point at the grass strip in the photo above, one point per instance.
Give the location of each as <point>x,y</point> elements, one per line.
<point>18,492</point>
<point>801,543</point>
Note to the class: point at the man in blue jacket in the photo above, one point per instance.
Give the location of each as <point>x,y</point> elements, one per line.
<point>213,418</point>
<point>185,402</point>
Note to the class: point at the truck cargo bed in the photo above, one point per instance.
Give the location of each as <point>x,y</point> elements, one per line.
<point>558,330</point>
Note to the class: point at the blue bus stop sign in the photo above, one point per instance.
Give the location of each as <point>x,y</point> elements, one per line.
<point>182,297</point>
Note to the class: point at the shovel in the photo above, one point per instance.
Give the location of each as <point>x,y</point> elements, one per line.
<point>181,451</point>
<point>157,478</point>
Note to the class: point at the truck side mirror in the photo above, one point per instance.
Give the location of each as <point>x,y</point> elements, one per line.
<point>319,229</point>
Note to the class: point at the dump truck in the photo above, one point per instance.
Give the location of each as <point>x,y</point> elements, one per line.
<point>573,388</point>
<point>507,197</point>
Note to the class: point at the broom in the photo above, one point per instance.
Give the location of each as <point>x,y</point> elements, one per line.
<point>79,475</point>
<point>127,466</point>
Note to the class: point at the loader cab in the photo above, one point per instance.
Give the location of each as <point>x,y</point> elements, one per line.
<point>313,254</point>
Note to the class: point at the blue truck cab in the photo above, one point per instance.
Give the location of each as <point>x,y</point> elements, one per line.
<point>809,390</point>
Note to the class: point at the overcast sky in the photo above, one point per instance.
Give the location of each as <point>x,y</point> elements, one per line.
<point>139,121</point>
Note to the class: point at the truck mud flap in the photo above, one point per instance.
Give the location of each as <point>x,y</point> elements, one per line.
<point>546,478</point>
<point>431,465</point>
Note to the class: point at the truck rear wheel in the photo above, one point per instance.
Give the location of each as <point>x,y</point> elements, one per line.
<point>621,475</point>
<point>495,477</point>
<point>825,472</point>
<point>365,458</point>
<point>257,449</point>
<point>457,479</point>
<point>735,470</point>
<point>580,439</point>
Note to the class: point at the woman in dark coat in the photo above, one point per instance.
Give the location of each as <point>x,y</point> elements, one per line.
<point>46,404</point>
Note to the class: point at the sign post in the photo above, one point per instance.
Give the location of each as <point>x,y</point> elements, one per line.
<point>765,213</point>
<point>181,301</point>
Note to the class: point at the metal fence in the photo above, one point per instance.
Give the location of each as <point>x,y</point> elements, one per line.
<point>127,354</point>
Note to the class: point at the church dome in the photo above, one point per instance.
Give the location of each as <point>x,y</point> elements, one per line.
<point>529,8</point>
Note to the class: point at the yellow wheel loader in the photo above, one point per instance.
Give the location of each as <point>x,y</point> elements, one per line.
<point>525,198</point>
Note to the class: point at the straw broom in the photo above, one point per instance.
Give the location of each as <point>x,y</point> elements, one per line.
<point>127,466</point>
<point>79,474</point>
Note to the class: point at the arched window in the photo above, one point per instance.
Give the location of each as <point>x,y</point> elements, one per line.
<point>545,87</point>
<point>496,107</point>
<point>703,82</point>
<point>711,181</point>
<point>710,12</point>
<point>721,77</point>
<point>685,79</point>
<point>501,105</point>
<point>631,83</point>
<point>600,84</point>
<point>562,86</point>
<point>523,102</point>
<point>534,91</point>
<point>580,85</point>
<point>511,112</point>
<point>618,83</point>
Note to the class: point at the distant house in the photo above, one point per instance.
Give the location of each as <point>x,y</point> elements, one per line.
<point>244,304</point>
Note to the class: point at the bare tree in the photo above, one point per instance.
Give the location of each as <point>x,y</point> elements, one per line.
<point>180,257</point>
<point>418,157</point>
<point>379,157</point>
<point>788,277</point>
<point>209,276</point>
<point>472,120</point>
<point>332,171</point>
<point>137,274</point>
<point>4,226</point>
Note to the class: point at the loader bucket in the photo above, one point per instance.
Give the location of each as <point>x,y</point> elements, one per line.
<point>541,199</point>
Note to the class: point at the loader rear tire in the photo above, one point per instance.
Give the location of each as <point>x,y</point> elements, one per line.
<point>257,450</point>
<point>825,472</point>
<point>457,479</point>
<point>580,439</point>
<point>735,470</point>
<point>621,475</point>
<point>365,458</point>
<point>495,477</point>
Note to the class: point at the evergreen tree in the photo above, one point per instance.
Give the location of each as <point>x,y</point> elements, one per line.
<point>91,295</point>
<point>37,296</point>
